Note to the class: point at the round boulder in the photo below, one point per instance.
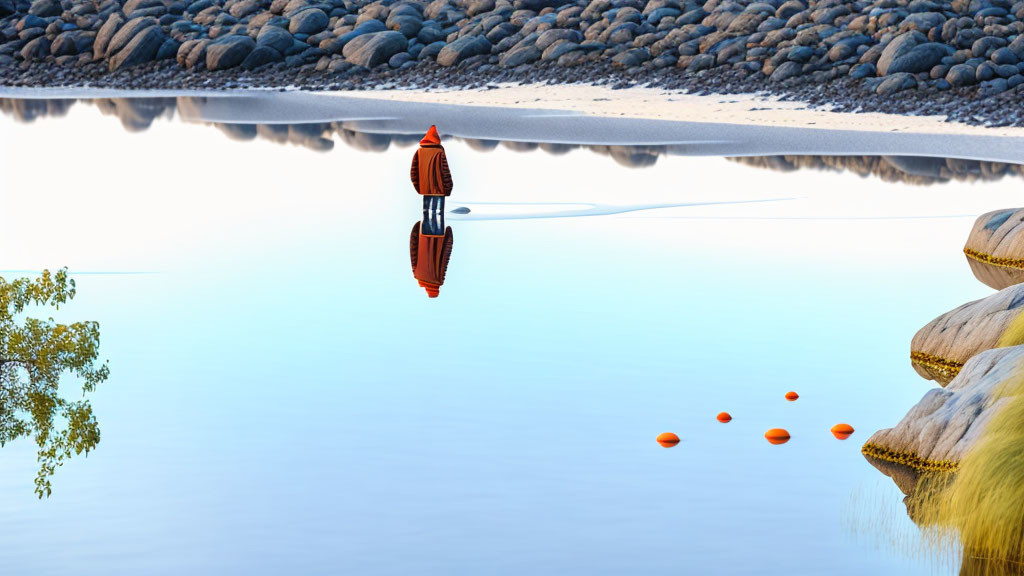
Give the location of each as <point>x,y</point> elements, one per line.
<point>919,59</point>
<point>372,50</point>
<point>142,48</point>
<point>519,55</point>
<point>228,52</point>
<point>995,248</point>
<point>898,47</point>
<point>277,38</point>
<point>261,56</point>
<point>463,48</point>
<point>786,71</point>
<point>939,350</point>
<point>309,21</point>
<point>896,83</point>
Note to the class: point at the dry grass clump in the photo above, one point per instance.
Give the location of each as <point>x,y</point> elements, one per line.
<point>981,507</point>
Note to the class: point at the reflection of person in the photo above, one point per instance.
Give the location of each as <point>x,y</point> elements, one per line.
<point>430,175</point>
<point>430,247</point>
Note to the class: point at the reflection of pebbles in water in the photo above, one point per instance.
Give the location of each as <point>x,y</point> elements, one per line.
<point>902,169</point>
<point>137,114</point>
<point>29,110</point>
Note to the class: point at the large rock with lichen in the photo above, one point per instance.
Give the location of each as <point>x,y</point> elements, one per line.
<point>939,429</point>
<point>940,349</point>
<point>995,248</point>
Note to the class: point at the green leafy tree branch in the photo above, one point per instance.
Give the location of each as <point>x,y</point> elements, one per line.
<point>34,356</point>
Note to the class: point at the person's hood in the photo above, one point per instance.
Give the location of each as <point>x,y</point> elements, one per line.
<point>432,138</point>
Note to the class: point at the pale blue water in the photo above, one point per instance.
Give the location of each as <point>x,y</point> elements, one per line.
<point>284,399</point>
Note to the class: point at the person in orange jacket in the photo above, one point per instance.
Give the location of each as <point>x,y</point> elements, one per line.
<point>430,250</point>
<point>430,174</point>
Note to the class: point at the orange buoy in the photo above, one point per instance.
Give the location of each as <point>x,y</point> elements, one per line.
<point>724,417</point>
<point>668,439</point>
<point>791,396</point>
<point>777,436</point>
<point>842,431</point>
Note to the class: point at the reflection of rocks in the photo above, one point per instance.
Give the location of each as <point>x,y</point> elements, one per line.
<point>138,113</point>
<point>240,132</point>
<point>481,145</point>
<point>29,110</point>
<point>940,349</point>
<point>517,146</point>
<point>365,141</point>
<point>937,432</point>
<point>310,136</point>
<point>995,248</point>
<point>631,156</point>
<point>902,169</point>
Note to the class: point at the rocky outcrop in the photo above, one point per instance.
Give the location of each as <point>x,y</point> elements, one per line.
<point>995,248</point>
<point>936,433</point>
<point>940,349</point>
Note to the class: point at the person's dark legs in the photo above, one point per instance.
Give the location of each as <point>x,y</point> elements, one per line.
<point>428,226</point>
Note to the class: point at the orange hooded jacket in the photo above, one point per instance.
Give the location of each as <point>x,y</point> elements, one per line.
<point>430,255</point>
<point>429,173</point>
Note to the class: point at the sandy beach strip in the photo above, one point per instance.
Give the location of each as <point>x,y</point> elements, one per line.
<point>659,104</point>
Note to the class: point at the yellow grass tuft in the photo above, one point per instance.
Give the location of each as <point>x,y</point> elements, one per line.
<point>1014,333</point>
<point>982,506</point>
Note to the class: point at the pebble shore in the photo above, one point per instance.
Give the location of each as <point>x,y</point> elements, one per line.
<point>963,59</point>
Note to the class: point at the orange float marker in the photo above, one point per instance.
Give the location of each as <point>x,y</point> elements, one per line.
<point>842,431</point>
<point>791,396</point>
<point>777,436</point>
<point>668,439</point>
<point>724,417</point>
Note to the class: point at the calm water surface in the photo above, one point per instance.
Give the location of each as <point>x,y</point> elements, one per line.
<point>284,398</point>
